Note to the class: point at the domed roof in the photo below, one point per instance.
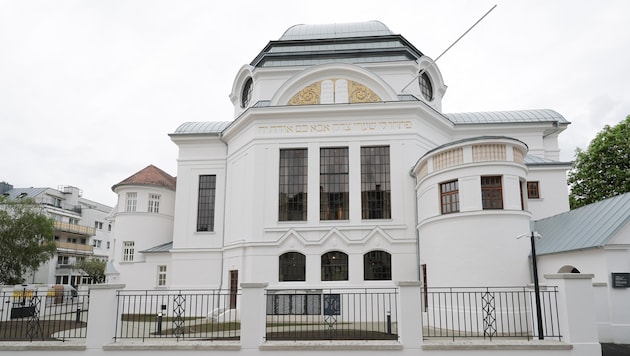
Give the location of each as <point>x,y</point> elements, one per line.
<point>336,30</point>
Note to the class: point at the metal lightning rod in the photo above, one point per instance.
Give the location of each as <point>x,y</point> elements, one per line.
<point>449,47</point>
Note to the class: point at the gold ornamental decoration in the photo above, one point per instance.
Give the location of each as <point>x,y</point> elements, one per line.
<point>355,93</point>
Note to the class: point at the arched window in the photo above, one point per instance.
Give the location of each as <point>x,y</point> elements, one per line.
<point>246,94</point>
<point>292,267</point>
<point>377,266</point>
<point>334,266</point>
<point>425,86</point>
<point>568,269</point>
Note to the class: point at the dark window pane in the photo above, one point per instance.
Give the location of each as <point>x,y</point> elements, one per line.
<point>377,265</point>
<point>334,266</point>
<point>449,193</point>
<point>491,192</point>
<point>334,184</point>
<point>292,267</point>
<point>293,174</point>
<point>375,183</point>
<point>205,205</point>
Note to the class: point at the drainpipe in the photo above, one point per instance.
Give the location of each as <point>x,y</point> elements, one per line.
<point>225,180</point>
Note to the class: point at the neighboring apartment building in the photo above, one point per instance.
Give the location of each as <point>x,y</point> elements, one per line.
<point>339,169</point>
<point>82,230</point>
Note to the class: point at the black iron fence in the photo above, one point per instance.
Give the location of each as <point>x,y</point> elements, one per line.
<point>332,314</point>
<point>183,315</point>
<point>40,314</point>
<point>498,312</point>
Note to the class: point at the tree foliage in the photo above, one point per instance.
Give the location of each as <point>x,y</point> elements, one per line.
<point>26,239</point>
<point>94,268</point>
<point>603,169</point>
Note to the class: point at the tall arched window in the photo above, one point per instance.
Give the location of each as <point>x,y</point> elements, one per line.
<point>334,266</point>
<point>292,267</point>
<point>377,266</point>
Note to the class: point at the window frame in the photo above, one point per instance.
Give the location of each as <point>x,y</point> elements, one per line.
<point>334,183</point>
<point>334,266</point>
<point>162,271</point>
<point>533,187</point>
<point>153,205</point>
<point>449,197</point>
<point>492,192</point>
<point>292,267</point>
<point>131,202</point>
<point>206,201</point>
<point>128,251</point>
<point>376,198</point>
<point>293,184</point>
<point>377,259</point>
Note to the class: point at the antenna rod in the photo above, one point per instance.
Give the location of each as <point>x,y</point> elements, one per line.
<point>449,47</point>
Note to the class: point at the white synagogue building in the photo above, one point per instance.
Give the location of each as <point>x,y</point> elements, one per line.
<point>340,169</point>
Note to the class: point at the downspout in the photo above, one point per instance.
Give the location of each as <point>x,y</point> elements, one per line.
<point>225,180</point>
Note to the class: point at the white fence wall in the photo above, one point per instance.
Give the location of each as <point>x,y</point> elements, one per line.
<point>578,327</point>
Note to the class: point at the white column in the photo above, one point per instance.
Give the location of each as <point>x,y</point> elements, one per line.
<point>101,327</point>
<point>410,314</point>
<point>253,315</point>
<point>576,311</point>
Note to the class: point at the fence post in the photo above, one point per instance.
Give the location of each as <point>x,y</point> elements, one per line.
<point>102,315</point>
<point>410,314</point>
<point>253,314</point>
<point>576,311</point>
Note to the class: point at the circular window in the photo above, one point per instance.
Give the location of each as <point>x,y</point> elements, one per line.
<point>246,95</point>
<point>426,88</point>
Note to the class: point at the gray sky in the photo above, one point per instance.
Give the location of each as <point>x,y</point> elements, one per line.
<point>89,90</point>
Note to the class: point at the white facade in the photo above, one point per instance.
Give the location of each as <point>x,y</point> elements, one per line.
<point>380,93</point>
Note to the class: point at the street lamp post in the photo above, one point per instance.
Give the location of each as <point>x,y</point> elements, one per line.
<point>533,237</point>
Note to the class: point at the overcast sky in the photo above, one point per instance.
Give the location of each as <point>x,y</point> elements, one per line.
<point>90,90</point>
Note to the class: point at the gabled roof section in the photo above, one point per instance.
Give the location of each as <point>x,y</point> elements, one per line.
<point>151,175</point>
<point>501,117</point>
<point>587,227</point>
<point>202,127</point>
<point>352,43</point>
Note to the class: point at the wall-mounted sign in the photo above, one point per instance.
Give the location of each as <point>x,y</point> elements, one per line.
<point>621,280</point>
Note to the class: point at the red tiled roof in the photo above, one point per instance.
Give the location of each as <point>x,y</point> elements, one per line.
<point>151,175</point>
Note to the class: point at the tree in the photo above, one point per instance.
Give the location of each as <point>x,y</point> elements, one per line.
<point>603,170</point>
<point>94,268</point>
<point>26,239</point>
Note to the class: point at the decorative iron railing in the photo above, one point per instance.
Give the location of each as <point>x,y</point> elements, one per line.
<point>36,314</point>
<point>332,314</point>
<point>178,314</point>
<point>492,312</point>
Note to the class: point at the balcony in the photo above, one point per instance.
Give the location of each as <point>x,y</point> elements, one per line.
<point>74,247</point>
<point>75,229</point>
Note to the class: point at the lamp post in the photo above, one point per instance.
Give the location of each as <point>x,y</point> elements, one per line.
<point>533,237</point>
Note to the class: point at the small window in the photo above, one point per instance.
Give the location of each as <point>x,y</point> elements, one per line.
<point>128,251</point>
<point>292,267</point>
<point>449,197</point>
<point>154,203</point>
<point>375,183</point>
<point>161,277</point>
<point>293,185</point>
<point>377,266</point>
<point>491,192</point>
<point>426,88</point>
<point>98,225</point>
<point>132,202</point>
<point>334,183</point>
<point>533,191</point>
<point>334,266</point>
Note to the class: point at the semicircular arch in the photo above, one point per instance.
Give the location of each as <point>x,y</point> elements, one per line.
<point>316,84</point>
